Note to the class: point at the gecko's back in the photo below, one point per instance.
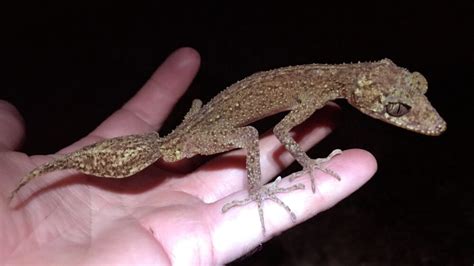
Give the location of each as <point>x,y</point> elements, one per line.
<point>380,89</point>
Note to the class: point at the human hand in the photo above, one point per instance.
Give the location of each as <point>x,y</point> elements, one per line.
<point>161,215</point>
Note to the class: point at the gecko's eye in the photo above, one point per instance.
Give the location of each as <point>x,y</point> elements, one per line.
<point>397,109</point>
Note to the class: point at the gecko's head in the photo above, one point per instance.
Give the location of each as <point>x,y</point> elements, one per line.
<point>393,94</point>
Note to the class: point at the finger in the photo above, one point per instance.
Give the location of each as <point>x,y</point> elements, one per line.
<point>150,106</point>
<point>12,129</point>
<point>226,174</point>
<point>240,226</point>
<point>171,79</point>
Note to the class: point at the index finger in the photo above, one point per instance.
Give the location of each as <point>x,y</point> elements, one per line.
<point>150,106</point>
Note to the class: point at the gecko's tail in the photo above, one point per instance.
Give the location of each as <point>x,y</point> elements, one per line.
<point>113,158</point>
<point>54,165</point>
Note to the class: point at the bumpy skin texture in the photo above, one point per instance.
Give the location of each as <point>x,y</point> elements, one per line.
<point>117,158</point>
<point>379,89</point>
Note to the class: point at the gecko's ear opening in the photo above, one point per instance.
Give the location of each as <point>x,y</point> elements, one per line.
<point>418,81</point>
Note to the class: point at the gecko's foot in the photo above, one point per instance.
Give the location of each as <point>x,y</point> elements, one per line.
<point>266,192</point>
<point>317,164</point>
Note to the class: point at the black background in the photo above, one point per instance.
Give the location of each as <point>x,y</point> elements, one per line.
<point>67,67</point>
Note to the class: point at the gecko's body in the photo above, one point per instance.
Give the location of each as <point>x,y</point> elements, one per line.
<point>380,89</point>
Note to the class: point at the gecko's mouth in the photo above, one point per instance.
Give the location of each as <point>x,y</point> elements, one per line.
<point>438,128</point>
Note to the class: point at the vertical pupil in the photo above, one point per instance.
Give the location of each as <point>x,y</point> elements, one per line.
<point>397,109</point>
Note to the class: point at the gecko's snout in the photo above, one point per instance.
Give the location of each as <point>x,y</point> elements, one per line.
<point>438,128</point>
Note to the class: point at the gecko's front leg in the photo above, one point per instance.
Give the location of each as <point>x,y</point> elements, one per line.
<point>247,138</point>
<point>295,117</point>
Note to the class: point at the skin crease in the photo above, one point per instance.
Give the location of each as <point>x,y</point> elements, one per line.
<point>160,215</point>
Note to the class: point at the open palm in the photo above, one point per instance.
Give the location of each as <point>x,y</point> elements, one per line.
<point>166,214</point>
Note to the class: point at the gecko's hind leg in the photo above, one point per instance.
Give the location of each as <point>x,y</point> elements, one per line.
<point>312,164</point>
<point>267,192</point>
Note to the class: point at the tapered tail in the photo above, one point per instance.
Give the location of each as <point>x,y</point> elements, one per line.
<point>114,158</point>
<point>54,165</point>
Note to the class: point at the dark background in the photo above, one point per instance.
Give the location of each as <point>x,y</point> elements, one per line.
<point>67,67</point>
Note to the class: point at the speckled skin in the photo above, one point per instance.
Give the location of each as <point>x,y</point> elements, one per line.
<point>116,158</point>
<point>379,89</point>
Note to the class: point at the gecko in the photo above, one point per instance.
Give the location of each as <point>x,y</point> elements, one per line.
<point>379,89</point>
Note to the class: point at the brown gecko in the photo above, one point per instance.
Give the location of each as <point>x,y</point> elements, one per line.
<point>379,89</point>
